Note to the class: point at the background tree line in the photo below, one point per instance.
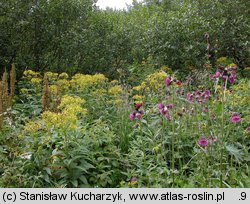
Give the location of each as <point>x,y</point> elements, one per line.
<point>75,36</point>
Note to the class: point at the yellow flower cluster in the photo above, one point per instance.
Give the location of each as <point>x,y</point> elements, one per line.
<point>222,61</point>
<point>152,82</point>
<point>85,81</point>
<point>138,98</point>
<point>114,82</point>
<point>63,75</point>
<point>115,90</point>
<point>36,81</point>
<point>68,101</point>
<point>53,89</point>
<point>240,96</point>
<point>63,84</point>
<point>51,76</point>
<point>31,74</point>
<point>24,91</point>
<point>70,109</point>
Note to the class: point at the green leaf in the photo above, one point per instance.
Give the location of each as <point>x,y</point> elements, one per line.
<point>233,150</point>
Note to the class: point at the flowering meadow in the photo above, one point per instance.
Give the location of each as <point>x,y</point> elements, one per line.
<point>164,130</point>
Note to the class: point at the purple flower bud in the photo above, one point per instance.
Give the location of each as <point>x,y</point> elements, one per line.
<point>207,93</point>
<point>232,79</point>
<point>141,112</point>
<point>217,74</point>
<point>178,82</point>
<point>168,81</point>
<point>235,118</point>
<point>204,110</point>
<point>138,105</point>
<point>170,106</point>
<point>203,142</point>
<point>248,129</point>
<point>138,115</point>
<point>131,116</point>
<point>160,106</point>
<point>134,179</point>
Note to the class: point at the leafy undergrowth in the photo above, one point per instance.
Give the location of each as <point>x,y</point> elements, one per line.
<point>87,131</point>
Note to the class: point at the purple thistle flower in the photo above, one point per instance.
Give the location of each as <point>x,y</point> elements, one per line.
<point>138,115</point>
<point>141,112</point>
<point>248,129</point>
<point>170,106</point>
<point>160,106</point>
<point>178,82</point>
<point>217,74</point>
<point>131,116</point>
<point>134,179</point>
<point>204,110</point>
<point>203,142</point>
<point>207,93</point>
<point>235,118</point>
<point>231,79</point>
<point>164,111</point>
<point>138,105</point>
<point>168,81</point>
<point>190,97</point>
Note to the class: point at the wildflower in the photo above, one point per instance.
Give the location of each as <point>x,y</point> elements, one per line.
<point>138,115</point>
<point>203,142</point>
<point>190,97</point>
<point>217,74</point>
<point>224,77</point>
<point>164,111</point>
<point>131,116</point>
<point>235,118</point>
<point>160,106</point>
<point>211,76</point>
<point>115,90</point>
<point>141,112</point>
<point>133,180</point>
<point>204,110</point>
<point>207,93</point>
<point>168,81</point>
<point>248,129</point>
<point>138,106</point>
<point>63,76</point>
<point>36,81</point>
<point>178,82</point>
<point>170,106</point>
<point>231,79</point>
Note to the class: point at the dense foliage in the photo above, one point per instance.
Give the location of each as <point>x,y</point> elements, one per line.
<point>77,37</point>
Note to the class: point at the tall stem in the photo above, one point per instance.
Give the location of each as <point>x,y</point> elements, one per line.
<point>173,141</point>
<point>222,133</point>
